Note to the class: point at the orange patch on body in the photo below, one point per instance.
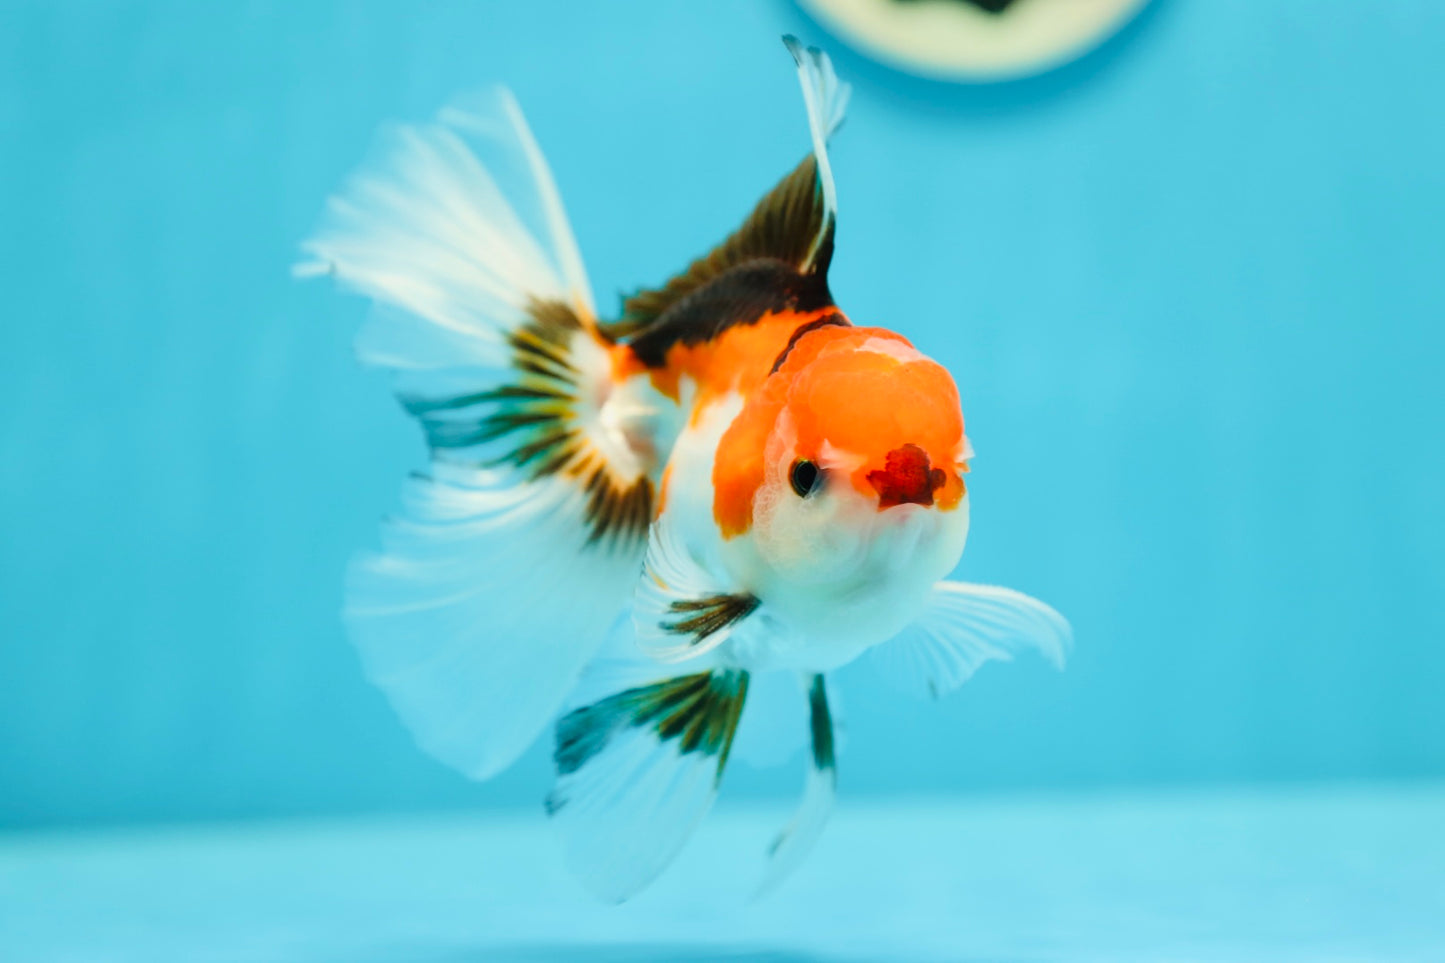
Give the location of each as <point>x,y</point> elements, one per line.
<point>738,360</point>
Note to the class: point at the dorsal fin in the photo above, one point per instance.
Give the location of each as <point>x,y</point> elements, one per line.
<point>786,226</point>
<point>791,228</point>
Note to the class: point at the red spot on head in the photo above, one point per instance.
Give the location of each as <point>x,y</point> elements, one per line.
<point>906,478</point>
<point>892,414</point>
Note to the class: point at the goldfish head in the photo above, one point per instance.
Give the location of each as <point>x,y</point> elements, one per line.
<point>845,473</point>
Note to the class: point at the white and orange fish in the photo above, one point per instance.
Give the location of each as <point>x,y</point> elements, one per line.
<point>652,528</point>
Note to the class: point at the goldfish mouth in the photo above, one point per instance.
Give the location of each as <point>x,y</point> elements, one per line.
<point>907,478</point>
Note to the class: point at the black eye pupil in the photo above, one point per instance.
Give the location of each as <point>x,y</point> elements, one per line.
<point>804,476</point>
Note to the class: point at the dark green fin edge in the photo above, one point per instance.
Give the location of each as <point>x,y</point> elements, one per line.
<point>820,721</point>
<point>700,711</point>
<point>701,618</point>
<point>537,413</point>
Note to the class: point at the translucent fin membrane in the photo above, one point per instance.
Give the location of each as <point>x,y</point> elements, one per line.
<point>826,98</point>
<point>819,788</point>
<point>513,552</point>
<point>962,627</point>
<point>637,771</point>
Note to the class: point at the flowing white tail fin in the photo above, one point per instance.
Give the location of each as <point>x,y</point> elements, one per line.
<point>513,552</point>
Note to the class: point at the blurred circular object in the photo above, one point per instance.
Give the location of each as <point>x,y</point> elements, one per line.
<point>975,40</point>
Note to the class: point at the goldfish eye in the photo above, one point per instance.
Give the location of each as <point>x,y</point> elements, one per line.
<point>805,477</point>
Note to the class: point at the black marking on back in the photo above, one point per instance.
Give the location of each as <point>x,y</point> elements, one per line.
<point>740,295</point>
<point>535,417</point>
<point>834,320</point>
<point>700,711</point>
<point>701,618</point>
<point>763,266</point>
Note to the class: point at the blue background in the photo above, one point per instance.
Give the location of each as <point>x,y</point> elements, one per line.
<point>1191,288</point>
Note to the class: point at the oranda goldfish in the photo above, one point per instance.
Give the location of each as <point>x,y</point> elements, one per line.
<point>650,528</point>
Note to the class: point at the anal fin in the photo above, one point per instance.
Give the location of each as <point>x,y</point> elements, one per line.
<point>819,788</point>
<point>636,772</point>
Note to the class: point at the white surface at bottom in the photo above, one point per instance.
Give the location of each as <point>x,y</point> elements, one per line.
<point>1288,875</point>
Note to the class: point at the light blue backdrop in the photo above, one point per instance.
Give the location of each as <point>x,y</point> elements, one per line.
<point>1191,289</point>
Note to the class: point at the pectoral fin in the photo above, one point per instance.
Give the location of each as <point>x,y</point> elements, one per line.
<point>684,607</point>
<point>963,626</point>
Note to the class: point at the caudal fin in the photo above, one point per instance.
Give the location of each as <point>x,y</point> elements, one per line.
<point>516,547</point>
